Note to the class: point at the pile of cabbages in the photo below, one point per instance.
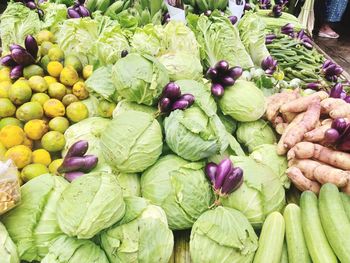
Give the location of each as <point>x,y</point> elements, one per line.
<point>150,179</point>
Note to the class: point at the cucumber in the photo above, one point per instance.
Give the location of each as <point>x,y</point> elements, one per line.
<point>271,239</point>
<point>346,203</point>
<point>335,223</point>
<point>316,240</point>
<point>284,257</point>
<point>296,246</point>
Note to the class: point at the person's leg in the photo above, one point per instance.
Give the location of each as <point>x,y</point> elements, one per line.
<point>333,14</point>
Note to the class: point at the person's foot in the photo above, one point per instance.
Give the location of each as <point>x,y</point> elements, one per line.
<point>327,32</point>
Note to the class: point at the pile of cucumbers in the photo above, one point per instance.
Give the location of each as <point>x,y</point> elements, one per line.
<point>318,231</point>
<point>109,8</point>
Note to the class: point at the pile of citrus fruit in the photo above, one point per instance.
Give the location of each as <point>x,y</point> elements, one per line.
<point>37,109</point>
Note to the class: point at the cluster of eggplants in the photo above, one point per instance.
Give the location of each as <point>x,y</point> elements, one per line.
<point>222,76</point>
<point>32,5</point>
<point>21,57</point>
<point>76,163</point>
<point>224,177</point>
<point>304,39</point>
<point>265,4</point>
<point>269,65</point>
<point>339,135</point>
<point>338,92</point>
<point>172,99</point>
<point>78,10</point>
<point>270,38</point>
<point>331,70</point>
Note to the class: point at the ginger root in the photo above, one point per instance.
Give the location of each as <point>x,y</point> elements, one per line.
<point>301,182</point>
<point>275,101</point>
<point>341,111</point>
<point>317,134</point>
<point>302,104</point>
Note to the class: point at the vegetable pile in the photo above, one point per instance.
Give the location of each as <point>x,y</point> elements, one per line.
<point>170,131</point>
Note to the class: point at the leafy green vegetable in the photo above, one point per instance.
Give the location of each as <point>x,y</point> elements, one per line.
<point>222,235</point>
<point>243,101</point>
<point>16,23</point>
<point>100,83</point>
<point>32,224</point>
<point>180,188</point>
<point>255,133</point>
<point>147,40</point>
<point>139,78</point>
<point>8,250</point>
<point>71,250</point>
<point>130,184</point>
<point>125,105</point>
<point>141,236</point>
<point>138,148</point>
<point>55,14</point>
<point>90,204</point>
<point>219,40</point>
<point>260,194</point>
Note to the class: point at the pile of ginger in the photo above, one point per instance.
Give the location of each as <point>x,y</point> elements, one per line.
<point>302,123</point>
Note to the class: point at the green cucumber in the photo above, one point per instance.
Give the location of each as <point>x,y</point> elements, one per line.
<point>271,239</point>
<point>296,245</point>
<point>335,223</point>
<point>316,240</point>
<point>346,203</point>
<point>91,5</point>
<point>284,257</point>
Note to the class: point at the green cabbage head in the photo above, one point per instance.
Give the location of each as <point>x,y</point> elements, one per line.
<point>32,224</point>
<point>255,133</point>
<point>130,184</point>
<point>132,142</point>
<point>223,235</point>
<point>90,204</point>
<point>243,101</point>
<point>197,132</point>
<point>71,250</point>
<point>141,236</point>
<point>267,154</point>
<point>260,194</point>
<point>180,188</point>
<point>8,249</point>
<point>139,78</point>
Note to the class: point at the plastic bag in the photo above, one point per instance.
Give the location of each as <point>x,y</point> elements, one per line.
<point>10,193</point>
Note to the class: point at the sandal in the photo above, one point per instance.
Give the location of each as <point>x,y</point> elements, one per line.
<point>332,35</point>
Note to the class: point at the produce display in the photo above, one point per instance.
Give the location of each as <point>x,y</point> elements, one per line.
<point>170,131</point>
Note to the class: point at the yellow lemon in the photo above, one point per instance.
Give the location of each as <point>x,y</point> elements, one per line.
<point>20,92</point>
<point>80,91</point>
<point>55,165</point>
<point>59,124</point>
<point>53,141</point>
<point>5,74</point>
<point>21,155</point>
<point>40,98</point>
<point>55,54</point>
<point>77,111</point>
<point>54,68</point>
<point>57,90</point>
<point>68,99</point>
<point>10,121</point>
<point>35,129</point>
<point>69,76</point>
<point>41,156</point>
<point>38,84</point>
<point>87,71</point>
<point>11,135</point>
<point>44,35</point>
<point>28,142</point>
<point>7,108</point>
<point>49,80</point>
<point>4,88</point>
<point>54,108</point>
<point>30,111</point>
<point>33,170</point>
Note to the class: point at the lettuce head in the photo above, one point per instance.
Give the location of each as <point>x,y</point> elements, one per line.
<point>8,249</point>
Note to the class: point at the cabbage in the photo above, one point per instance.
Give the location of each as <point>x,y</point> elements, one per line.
<point>267,154</point>
<point>91,104</point>
<point>223,235</point>
<point>130,184</point>
<point>100,83</point>
<point>125,105</point>
<point>255,133</point>
<point>197,132</point>
<point>90,130</point>
<point>260,194</point>
<point>70,250</point>
<point>55,14</point>
<point>147,40</point>
<point>219,40</point>
<point>229,123</point>
<point>8,250</point>
<point>132,142</point>
<point>139,78</point>
<point>32,224</point>
<point>243,101</point>
<point>141,236</point>
<point>180,188</point>
<point>16,23</point>
<point>90,204</point>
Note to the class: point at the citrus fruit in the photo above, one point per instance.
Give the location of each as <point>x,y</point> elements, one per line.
<point>69,76</point>
<point>29,111</point>
<point>35,129</point>
<point>33,170</point>
<point>54,68</point>
<point>105,108</point>
<point>38,84</point>
<point>49,80</point>
<point>54,108</point>
<point>5,74</point>
<point>40,97</point>
<point>20,92</point>
<point>74,61</point>
<point>44,35</point>
<point>33,70</point>
<point>77,111</point>
<point>87,71</point>
<point>7,108</point>
<point>41,156</point>
<point>68,99</point>
<point>53,141</point>
<point>57,90</point>
<point>21,155</point>
<point>55,165</point>
<point>55,54</point>
<point>79,90</point>
<point>4,88</point>
<point>10,121</point>
<point>11,135</point>
<point>59,124</point>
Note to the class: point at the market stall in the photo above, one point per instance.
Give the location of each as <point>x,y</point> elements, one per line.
<point>172,132</point>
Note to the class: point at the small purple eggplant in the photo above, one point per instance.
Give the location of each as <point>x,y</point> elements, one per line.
<point>336,91</point>
<point>78,149</point>
<point>313,86</point>
<point>22,57</point>
<point>180,105</point>
<point>164,105</point>
<point>171,91</point>
<point>221,66</point>
<point>189,97</point>
<point>31,46</point>
<point>16,72</point>
<point>124,53</point>
<point>71,176</point>
<point>217,90</point>
<point>331,135</point>
<point>212,73</point>
<point>223,169</point>
<point>8,61</point>
<point>233,19</point>
<point>277,11</point>
<point>72,13</point>
<point>210,171</point>
<point>339,124</point>
<point>15,46</point>
<point>235,72</point>
<point>90,162</point>
<point>233,181</point>
<point>71,164</point>
<point>83,11</point>
<point>227,81</point>
<point>31,5</point>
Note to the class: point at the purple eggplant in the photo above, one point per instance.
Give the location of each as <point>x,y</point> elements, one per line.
<point>347,99</point>
<point>287,29</point>
<point>124,53</point>
<point>336,91</point>
<point>171,91</point>
<point>221,66</point>
<point>212,73</point>
<point>22,57</point>
<point>277,10</point>
<point>40,13</point>
<point>31,5</point>
<point>78,149</point>
<point>235,72</point>
<point>72,13</point>
<point>331,135</point>
<point>8,61</point>
<point>164,105</point>
<point>72,164</point>
<point>233,19</point>
<point>90,162</point>
<point>330,69</point>
<point>338,70</point>
<point>71,176</point>
<point>189,97</point>
<point>180,105</point>
<point>267,63</point>
<point>233,181</point>
<point>15,46</point>
<point>223,169</point>
<point>83,11</point>
<point>326,63</point>
<point>210,171</point>
<point>217,90</point>
<point>247,7</point>
<point>343,95</point>
<point>31,46</point>
<point>339,124</point>
<point>16,72</point>
<point>307,45</point>
<point>301,34</point>
<point>227,81</point>
<point>313,86</point>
